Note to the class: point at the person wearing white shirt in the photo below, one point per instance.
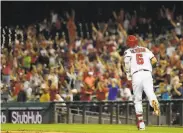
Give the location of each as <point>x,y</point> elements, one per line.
<point>53,77</point>
<point>126,94</point>
<point>170,50</point>
<point>44,52</point>
<point>54,17</point>
<point>126,24</point>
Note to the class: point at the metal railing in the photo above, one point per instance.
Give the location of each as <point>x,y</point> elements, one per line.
<point>119,112</point>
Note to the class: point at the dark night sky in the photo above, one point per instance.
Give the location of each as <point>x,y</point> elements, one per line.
<point>13,13</point>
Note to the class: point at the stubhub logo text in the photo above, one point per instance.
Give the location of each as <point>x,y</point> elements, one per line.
<point>26,117</point>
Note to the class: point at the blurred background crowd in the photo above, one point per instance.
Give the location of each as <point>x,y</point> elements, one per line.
<point>61,59</point>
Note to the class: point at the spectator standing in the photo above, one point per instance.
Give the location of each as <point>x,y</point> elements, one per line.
<point>52,90</point>
<point>101,90</point>
<point>53,77</point>
<point>45,96</point>
<point>88,88</point>
<point>170,49</point>
<point>113,90</point>
<point>71,27</point>
<point>177,92</point>
<point>163,90</point>
<point>54,17</point>
<point>27,87</point>
<point>6,71</point>
<point>4,92</point>
<point>22,97</point>
<point>126,23</point>
<point>125,94</point>
<point>26,61</point>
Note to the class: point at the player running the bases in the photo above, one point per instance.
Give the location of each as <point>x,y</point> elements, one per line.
<point>138,66</point>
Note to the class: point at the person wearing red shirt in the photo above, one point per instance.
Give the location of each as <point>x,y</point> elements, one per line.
<point>88,88</point>
<point>71,27</point>
<point>86,94</point>
<point>102,90</point>
<point>17,87</point>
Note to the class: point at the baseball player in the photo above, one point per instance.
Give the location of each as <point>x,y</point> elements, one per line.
<point>138,66</point>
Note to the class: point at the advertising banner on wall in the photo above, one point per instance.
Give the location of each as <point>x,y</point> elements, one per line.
<point>27,113</point>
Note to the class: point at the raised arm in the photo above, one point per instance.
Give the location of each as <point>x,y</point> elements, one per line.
<point>127,65</point>
<point>94,28</point>
<point>141,41</point>
<point>152,58</point>
<point>73,14</point>
<point>105,28</point>
<point>175,89</point>
<point>115,15</point>
<point>122,30</point>
<point>153,61</point>
<point>67,15</point>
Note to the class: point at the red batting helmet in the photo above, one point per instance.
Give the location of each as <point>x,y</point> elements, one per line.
<point>132,41</point>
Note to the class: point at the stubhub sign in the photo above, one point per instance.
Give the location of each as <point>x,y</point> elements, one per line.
<point>26,117</point>
<point>27,113</point>
<point>3,118</point>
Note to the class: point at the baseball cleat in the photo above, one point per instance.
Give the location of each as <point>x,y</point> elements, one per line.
<point>141,126</point>
<point>156,108</point>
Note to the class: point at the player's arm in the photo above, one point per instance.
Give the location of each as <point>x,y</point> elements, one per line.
<point>152,58</point>
<point>127,64</point>
<point>154,61</point>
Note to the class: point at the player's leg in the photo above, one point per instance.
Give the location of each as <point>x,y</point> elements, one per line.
<point>137,91</point>
<point>149,91</point>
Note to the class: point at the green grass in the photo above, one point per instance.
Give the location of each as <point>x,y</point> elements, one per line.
<point>86,128</point>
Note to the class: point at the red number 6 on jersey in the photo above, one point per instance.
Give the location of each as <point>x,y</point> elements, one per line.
<point>139,58</point>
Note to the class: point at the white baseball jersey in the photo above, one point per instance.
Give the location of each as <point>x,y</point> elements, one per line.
<point>137,58</point>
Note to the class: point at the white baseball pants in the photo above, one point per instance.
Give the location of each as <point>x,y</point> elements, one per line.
<point>142,81</point>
